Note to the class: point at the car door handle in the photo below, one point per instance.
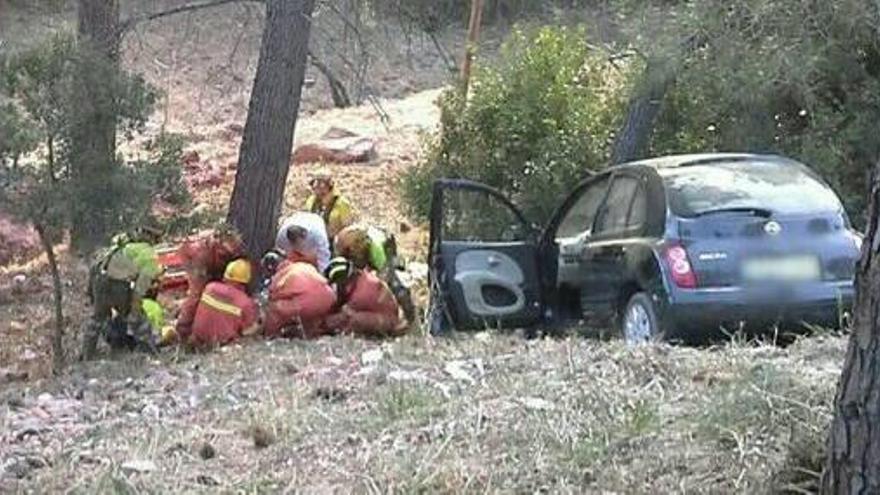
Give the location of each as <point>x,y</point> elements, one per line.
<point>493,261</point>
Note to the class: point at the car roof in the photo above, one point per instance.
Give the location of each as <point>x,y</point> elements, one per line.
<point>674,161</point>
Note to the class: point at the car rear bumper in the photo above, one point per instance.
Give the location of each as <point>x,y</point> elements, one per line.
<point>706,311</point>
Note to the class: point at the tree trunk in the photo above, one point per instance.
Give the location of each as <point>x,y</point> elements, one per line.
<point>853,459</point>
<point>93,147</point>
<point>264,157</point>
<point>58,335</point>
<point>635,134</point>
<point>473,38</point>
<point>337,89</point>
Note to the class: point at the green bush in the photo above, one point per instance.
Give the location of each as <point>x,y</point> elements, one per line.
<point>533,126</point>
<point>162,177</point>
<point>790,77</point>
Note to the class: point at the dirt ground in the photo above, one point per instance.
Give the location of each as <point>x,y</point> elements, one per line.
<point>482,413</point>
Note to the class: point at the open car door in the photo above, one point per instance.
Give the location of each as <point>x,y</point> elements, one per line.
<point>483,259</point>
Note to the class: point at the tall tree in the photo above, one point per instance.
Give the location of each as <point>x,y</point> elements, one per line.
<point>264,157</point>
<point>853,462</point>
<point>94,146</point>
<point>634,138</point>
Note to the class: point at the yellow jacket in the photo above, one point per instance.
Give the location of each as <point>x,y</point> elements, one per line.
<point>337,215</point>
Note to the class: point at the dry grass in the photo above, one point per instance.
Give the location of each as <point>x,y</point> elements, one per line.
<point>490,413</point>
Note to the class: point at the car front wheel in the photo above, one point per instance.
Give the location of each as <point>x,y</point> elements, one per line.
<point>639,321</point>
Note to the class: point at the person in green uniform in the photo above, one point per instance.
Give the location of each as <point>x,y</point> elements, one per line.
<point>122,277</point>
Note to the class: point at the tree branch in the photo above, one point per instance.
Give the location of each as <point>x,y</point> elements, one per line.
<point>131,22</point>
<point>337,89</point>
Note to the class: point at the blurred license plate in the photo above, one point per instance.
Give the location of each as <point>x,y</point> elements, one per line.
<point>784,268</point>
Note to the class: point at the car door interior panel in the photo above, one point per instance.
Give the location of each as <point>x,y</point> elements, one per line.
<point>491,283</point>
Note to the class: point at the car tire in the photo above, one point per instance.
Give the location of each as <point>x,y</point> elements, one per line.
<point>639,323</point>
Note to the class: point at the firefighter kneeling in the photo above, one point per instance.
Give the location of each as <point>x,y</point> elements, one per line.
<point>225,311</point>
<point>299,298</point>
<point>370,247</point>
<point>206,258</point>
<point>368,307</point>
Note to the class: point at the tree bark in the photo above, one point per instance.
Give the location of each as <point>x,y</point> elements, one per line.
<point>634,138</point>
<point>853,460</point>
<point>93,146</point>
<point>58,335</point>
<point>264,156</point>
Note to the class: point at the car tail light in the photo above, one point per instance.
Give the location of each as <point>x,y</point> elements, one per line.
<point>680,267</point>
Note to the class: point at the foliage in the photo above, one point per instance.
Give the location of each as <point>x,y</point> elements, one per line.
<point>532,127</point>
<point>162,175</point>
<point>795,77</point>
<point>46,105</point>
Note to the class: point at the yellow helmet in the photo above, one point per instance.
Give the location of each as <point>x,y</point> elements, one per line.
<point>238,271</point>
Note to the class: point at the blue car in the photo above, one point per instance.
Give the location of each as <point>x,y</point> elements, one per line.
<point>676,248</point>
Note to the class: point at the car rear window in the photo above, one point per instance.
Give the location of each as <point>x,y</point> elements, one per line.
<point>782,187</point>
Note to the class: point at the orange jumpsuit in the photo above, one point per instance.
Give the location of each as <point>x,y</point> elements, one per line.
<point>369,310</point>
<point>206,258</point>
<point>223,313</point>
<point>300,298</point>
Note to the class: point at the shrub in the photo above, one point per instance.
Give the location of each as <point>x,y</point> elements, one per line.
<point>533,126</point>
<point>795,78</point>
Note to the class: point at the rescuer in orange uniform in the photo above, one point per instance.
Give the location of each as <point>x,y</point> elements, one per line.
<point>225,311</point>
<point>206,258</point>
<point>368,307</point>
<point>300,298</point>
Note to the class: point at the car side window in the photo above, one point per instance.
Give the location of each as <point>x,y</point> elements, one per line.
<point>613,215</point>
<point>638,212</point>
<point>477,216</point>
<point>579,218</point>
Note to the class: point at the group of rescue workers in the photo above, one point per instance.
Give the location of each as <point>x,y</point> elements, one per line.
<point>306,292</point>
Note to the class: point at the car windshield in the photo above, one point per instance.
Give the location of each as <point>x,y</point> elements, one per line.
<point>780,187</point>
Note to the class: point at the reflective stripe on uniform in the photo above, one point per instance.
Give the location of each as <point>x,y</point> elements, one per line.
<point>221,306</point>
